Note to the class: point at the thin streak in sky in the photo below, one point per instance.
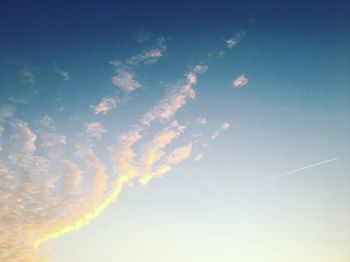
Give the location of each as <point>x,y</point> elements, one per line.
<point>277,110</point>
<point>299,169</point>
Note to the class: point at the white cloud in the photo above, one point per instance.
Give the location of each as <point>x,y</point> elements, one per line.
<point>106,104</point>
<point>200,69</point>
<point>202,121</point>
<point>198,157</point>
<point>224,126</point>
<point>22,137</point>
<point>146,57</point>
<point>233,41</point>
<point>150,56</point>
<point>125,79</point>
<point>94,129</point>
<point>64,74</point>
<point>240,81</point>
<point>51,139</point>
<point>53,203</point>
<point>176,99</point>
<point>179,154</point>
<point>116,63</point>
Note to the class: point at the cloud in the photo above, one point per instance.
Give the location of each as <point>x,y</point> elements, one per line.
<point>218,132</point>
<point>64,74</point>
<point>6,111</point>
<point>233,41</point>
<point>202,121</point>
<point>22,138</point>
<point>146,57</point>
<point>125,79</point>
<point>51,140</point>
<point>28,73</point>
<point>200,69</point>
<point>150,56</point>
<point>198,157</point>
<point>106,104</point>
<point>240,81</point>
<point>52,183</point>
<point>179,154</point>
<point>176,99</point>
<point>94,129</point>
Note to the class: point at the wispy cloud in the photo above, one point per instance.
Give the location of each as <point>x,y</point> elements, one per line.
<point>54,183</point>
<point>125,79</point>
<point>277,110</point>
<point>27,73</point>
<point>240,81</point>
<point>198,157</point>
<point>233,41</point>
<point>94,129</point>
<point>106,104</point>
<point>202,121</point>
<point>179,154</point>
<point>22,138</point>
<point>176,99</point>
<point>149,56</point>
<point>64,74</point>
<point>224,126</point>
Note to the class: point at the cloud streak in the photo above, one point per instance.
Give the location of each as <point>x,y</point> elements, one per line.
<point>106,104</point>
<point>224,126</point>
<point>297,170</point>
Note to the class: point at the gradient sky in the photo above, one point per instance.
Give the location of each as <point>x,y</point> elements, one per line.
<point>238,113</point>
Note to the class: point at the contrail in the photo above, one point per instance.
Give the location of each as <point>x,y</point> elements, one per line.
<point>277,110</point>
<point>299,169</point>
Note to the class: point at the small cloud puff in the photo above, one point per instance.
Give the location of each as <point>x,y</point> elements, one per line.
<point>230,43</point>
<point>106,104</point>
<point>198,157</point>
<point>125,79</point>
<point>64,74</point>
<point>94,129</point>
<point>202,121</point>
<point>218,132</point>
<point>240,81</point>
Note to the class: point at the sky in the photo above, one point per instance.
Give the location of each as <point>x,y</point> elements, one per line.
<point>181,131</point>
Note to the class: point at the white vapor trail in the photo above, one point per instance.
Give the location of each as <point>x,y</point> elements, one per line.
<point>299,169</point>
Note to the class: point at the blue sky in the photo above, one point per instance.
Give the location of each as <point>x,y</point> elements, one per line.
<point>174,132</point>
